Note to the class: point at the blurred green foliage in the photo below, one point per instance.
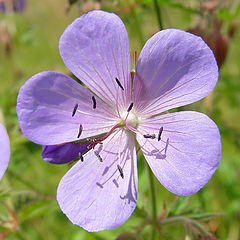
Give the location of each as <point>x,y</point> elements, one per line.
<point>28,207</point>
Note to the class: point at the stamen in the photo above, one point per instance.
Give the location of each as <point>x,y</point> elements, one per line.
<point>74,110</point>
<point>119,84</point>
<point>166,147</point>
<point>115,182</point>
<point>152,136</point>
<point>120,171</point>
<point>94,102</point>
<point>98,155</point>
<point>130,107</point>
<point>99,184</point>
<point>80,131</point>
<point>80,156</point>
<point>160,133</point>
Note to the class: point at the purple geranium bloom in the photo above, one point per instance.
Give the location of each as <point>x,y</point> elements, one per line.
<point>4,150</point>
<point>12,5</point>
<point>2,6</point>
<point>19,5</point>
<point>114,112</point>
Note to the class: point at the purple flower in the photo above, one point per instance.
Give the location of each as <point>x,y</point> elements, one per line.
<point>4,150</point>
<point>2,6</point>
<point>113,112</point>
<point>12,5</point>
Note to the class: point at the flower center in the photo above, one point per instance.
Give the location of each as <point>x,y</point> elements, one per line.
<point>130,118</point>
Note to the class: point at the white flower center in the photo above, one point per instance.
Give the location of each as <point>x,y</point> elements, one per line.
<point>131,118</point>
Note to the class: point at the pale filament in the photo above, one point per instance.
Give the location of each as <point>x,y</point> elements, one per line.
<point>117,104</point>
<point>133,129</point>
<point>110,112</point>
<point>92,115</point>
<point>125,120</point>
<point>119,150</point>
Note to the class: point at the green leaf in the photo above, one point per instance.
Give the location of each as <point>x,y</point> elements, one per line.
<point>227,15</point>
<point>9,193</point>
<point>140,212</point>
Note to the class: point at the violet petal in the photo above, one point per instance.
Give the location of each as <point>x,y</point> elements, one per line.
<point>188,153</point>
<point>4,150</point>
<point>45,104</point>
<point>19,5</point>
<point>92,193</point>
<point>174,68</point>
<point>95,48</point>
<point>60,154</point>
<point>2,7</point>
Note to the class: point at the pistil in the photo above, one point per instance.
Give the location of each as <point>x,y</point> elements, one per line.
<point>96,141</point>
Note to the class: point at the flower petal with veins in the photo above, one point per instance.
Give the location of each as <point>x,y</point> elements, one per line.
<point>92,193</point>
<point>95,48</point>
<point>188,153</point>
<point>45,104</point>
<point>175,68</point>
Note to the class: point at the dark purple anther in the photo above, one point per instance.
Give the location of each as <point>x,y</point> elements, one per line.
<point>98,155</point>
<point>80,156</point>
<point>152,136</point>
<point>80,131</point>
<point>119,84</point>
<point>94,102</point>
<point>130,107</point>
<point>160,133</point>
<point>120,171</point>
<point>74,110</point>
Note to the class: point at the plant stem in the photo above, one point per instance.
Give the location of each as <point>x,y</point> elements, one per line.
<point>23,181</point>
<point>154,206</point>
<point>158,13</point>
